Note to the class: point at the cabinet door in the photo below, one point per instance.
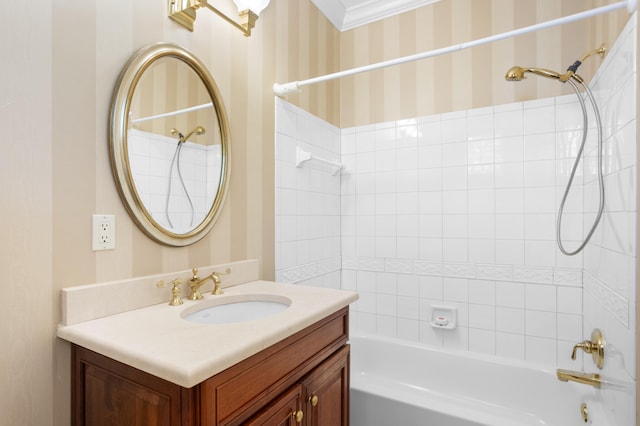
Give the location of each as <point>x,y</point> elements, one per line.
<point>326,392</point>
<point>106,392</point>
<point>284,411</point>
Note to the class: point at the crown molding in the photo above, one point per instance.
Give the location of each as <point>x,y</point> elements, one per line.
<point>365,11</point>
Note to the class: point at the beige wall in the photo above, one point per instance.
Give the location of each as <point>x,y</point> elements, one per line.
<point>60,62</point>
<point>471,78</point>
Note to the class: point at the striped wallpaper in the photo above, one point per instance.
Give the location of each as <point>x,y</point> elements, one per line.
<point>170,85</point>
<point>470,78</point>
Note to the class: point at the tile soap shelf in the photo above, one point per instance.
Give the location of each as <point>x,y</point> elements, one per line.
<point>303,157</point>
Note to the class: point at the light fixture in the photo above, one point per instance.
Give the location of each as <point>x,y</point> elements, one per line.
<point>184,13</point>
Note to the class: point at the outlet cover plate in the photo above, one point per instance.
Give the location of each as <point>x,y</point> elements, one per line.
<point>104,232</point>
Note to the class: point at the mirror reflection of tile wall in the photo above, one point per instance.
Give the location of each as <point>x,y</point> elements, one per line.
<point>151,156</point>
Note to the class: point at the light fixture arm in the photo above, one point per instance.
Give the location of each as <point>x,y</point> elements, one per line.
<point>184,13</point>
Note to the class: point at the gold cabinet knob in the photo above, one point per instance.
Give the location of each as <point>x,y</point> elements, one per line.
<point>298,415</point>
<point>313,399</point>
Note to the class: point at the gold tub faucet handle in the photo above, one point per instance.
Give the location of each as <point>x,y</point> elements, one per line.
<point>586,346</point>
<point>595,347</point>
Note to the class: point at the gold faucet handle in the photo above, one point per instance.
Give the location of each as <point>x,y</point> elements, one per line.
<point>195,274</point>
<point>215,276</point>
<point>595,347</point>
<point>175,290</point>
<point>585,346</point>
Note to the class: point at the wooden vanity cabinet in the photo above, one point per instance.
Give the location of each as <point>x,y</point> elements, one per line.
<point>320,399</point>
<point>307,372</point>
<point>326,392</point>
<point>284,411</point>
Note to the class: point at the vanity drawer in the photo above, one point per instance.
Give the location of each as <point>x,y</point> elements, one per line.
<point>232,396</point>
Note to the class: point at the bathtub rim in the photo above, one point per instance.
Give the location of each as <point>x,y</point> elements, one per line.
<point>476,356</point>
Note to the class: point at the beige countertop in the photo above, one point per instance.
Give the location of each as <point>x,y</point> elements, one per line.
<point>157,340</point>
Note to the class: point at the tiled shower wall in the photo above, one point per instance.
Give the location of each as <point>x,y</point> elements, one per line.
<point>459,209</point>
<point>307,199</point>
<point>609,277</point>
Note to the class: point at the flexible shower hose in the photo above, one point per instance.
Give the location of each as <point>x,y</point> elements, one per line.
<point>575,167</point>
<point>176,156</point>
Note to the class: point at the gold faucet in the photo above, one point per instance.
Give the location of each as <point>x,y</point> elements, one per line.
<point>175,290</point>
<point>591,379</point>
<point>595,347</point>
<point>195,283</point>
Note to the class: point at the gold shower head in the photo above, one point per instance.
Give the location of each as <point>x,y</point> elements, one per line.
<point>517,73</point>
<point>198,130</point>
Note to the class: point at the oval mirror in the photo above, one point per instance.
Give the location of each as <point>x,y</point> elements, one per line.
<point>169,149</point>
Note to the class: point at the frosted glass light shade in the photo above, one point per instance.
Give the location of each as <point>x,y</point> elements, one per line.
<point>256,6</point>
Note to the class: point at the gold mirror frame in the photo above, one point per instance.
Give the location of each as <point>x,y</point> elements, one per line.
<point>119,124</point>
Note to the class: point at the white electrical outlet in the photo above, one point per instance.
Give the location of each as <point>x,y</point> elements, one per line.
<point>104,232</point>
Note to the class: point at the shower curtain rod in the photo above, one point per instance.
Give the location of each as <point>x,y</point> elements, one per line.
<point>172,113</point>
<point>294,86</point>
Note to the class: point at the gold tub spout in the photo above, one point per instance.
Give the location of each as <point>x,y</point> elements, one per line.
<point>592,379</point>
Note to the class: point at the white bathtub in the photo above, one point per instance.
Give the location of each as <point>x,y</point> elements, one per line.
<point>394,382</point>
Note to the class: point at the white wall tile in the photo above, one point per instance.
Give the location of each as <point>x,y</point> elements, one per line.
<point>480,124</point>
<point>482,341</point>
<point>408,307</point>
<point>429,156</point>
<point>509,149</point>
<point>510,294</point>
<point>509,201</point>
<point>407,181</point>
<point>454,203</point>
<point>540,146</point>
<point>510,320</point>
<point>454,154</point>
<point>454,226</point>
<point>509,175</point>
<point>408,329</point>
<point>454,178</point>
<point>431,249</point>
<point>456,289</point>
<point>481,176</point>
<point>540,297</point>
<point>540,350</point>
<point>510,345</point>
<point>481,226</point>
<point>430,179</point>
<point>569,300</point>
<point>482,292</point>
<point>540,324</point>
<point>510,226</point>
<point>539,119</point>
<point>454,127</point>
<point>431,288</point>
<point>482,251</point>
<point>481,201</point>
<point>482,317</point>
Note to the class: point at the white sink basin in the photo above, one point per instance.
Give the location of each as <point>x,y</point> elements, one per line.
<point>235,309</point>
